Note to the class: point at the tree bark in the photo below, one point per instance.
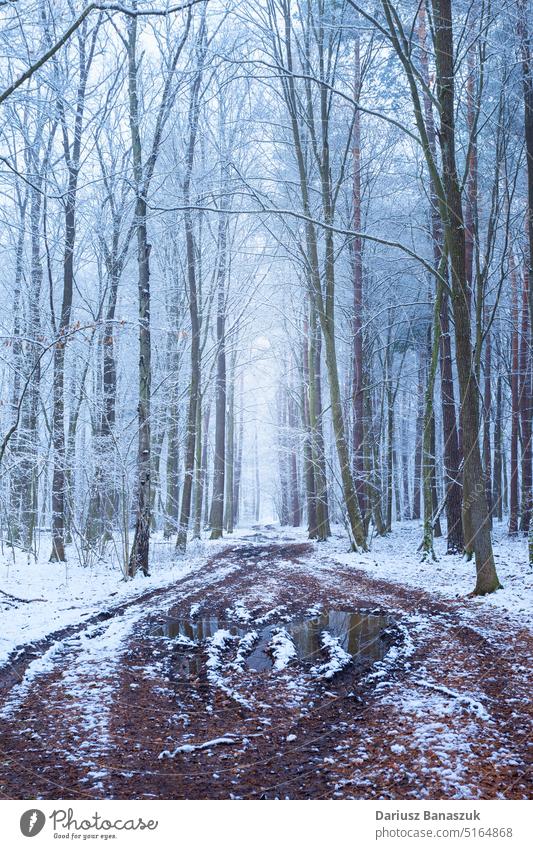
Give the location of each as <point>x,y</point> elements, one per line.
<point>451,212</point>
<point>72,153</point>
<point>357,249</point>
<point>515,402</point>
<point>217,504</point>
<point>194,389</point>
<point>452,449</point>
<point>526,408</point>
<point>139,555</point>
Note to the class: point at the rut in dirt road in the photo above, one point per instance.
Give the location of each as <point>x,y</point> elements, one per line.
<point>116,709</point>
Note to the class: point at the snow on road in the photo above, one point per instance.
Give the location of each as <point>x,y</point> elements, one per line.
<point>444,714</point>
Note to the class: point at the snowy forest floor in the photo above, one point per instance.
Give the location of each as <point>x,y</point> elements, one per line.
<point>95,703</point>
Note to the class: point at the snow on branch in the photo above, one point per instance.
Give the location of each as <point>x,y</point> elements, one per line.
<point>92,7</point>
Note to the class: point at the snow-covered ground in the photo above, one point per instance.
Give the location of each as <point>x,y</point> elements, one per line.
<point>448,697</point>
<point>39,597</point>
<point>395,558</point>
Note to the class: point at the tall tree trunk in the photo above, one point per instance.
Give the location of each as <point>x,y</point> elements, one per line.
<point>357,248</point>
<point>404,448</point>
<point>72,153</point>
<point>452,451</point>
<point>487,403</point>
<point>198,472</point>
<point>497,501</point>
<point>526,407</point>
<point>323,530</point>
<point>139,555</point>
<point>470,219</point>
<point>294,492</point>
<point>309,472</point>
<point>230,452</point>
<point>18,449</point>
<point>515,402</point>
<point>30,420</point>
<point>527,79</point>
<point>474,499</point>
<point>217,503</point>
<point>452,448</point>
<point>417,486</point>
<point>429,424</point>
<point>58,417</point>
<point>192,284</point>
<point>390,443</point>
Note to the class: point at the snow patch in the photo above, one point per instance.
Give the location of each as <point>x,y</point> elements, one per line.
<point>283,649</point>
<point>338,658</point>
<point>227,740</point>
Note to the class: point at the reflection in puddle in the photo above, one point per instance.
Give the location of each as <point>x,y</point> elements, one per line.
<point>259,659</point>
<point>360,634</point>
<point>196,630</point>
<point>199,630</point>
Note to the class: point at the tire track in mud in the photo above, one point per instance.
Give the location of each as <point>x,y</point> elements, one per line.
<point>12,671</point>
<point>41,708</point>
<point>417,726</point>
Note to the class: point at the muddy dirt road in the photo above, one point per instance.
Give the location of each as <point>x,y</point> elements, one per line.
<point>434,705</point>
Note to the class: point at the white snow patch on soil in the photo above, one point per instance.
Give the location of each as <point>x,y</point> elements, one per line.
<point>283,649</point>
<point>338,659</point>
<point>186,748</point>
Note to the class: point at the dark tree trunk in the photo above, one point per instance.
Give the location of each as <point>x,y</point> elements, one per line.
<point>357,248</point>
<point>406,512</point>
<point>417,486</point>
<point>72,153</point>
<point>452,215</point>
<point>527,78</point>
<point>515,403</point>
<point>526,408</point>
<point>317,432</point>
<point>192,285</point>
<point>294,491</point>
<point>497,502</point>
<point>309,473</point>
<point>487,404</point>
<point>140,549</point>
<point>452,450</point>
<point>217,503</point>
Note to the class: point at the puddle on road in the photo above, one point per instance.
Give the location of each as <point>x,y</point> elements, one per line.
<point>201,629</point>
<point>361,634</point>
<point>196,630</point>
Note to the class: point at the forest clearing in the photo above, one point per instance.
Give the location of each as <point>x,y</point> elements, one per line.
<point>266,366</point>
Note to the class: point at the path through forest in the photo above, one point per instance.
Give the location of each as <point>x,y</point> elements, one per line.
<point>113,709</point>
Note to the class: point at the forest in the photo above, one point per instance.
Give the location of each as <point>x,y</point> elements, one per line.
<point>266,353</point>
